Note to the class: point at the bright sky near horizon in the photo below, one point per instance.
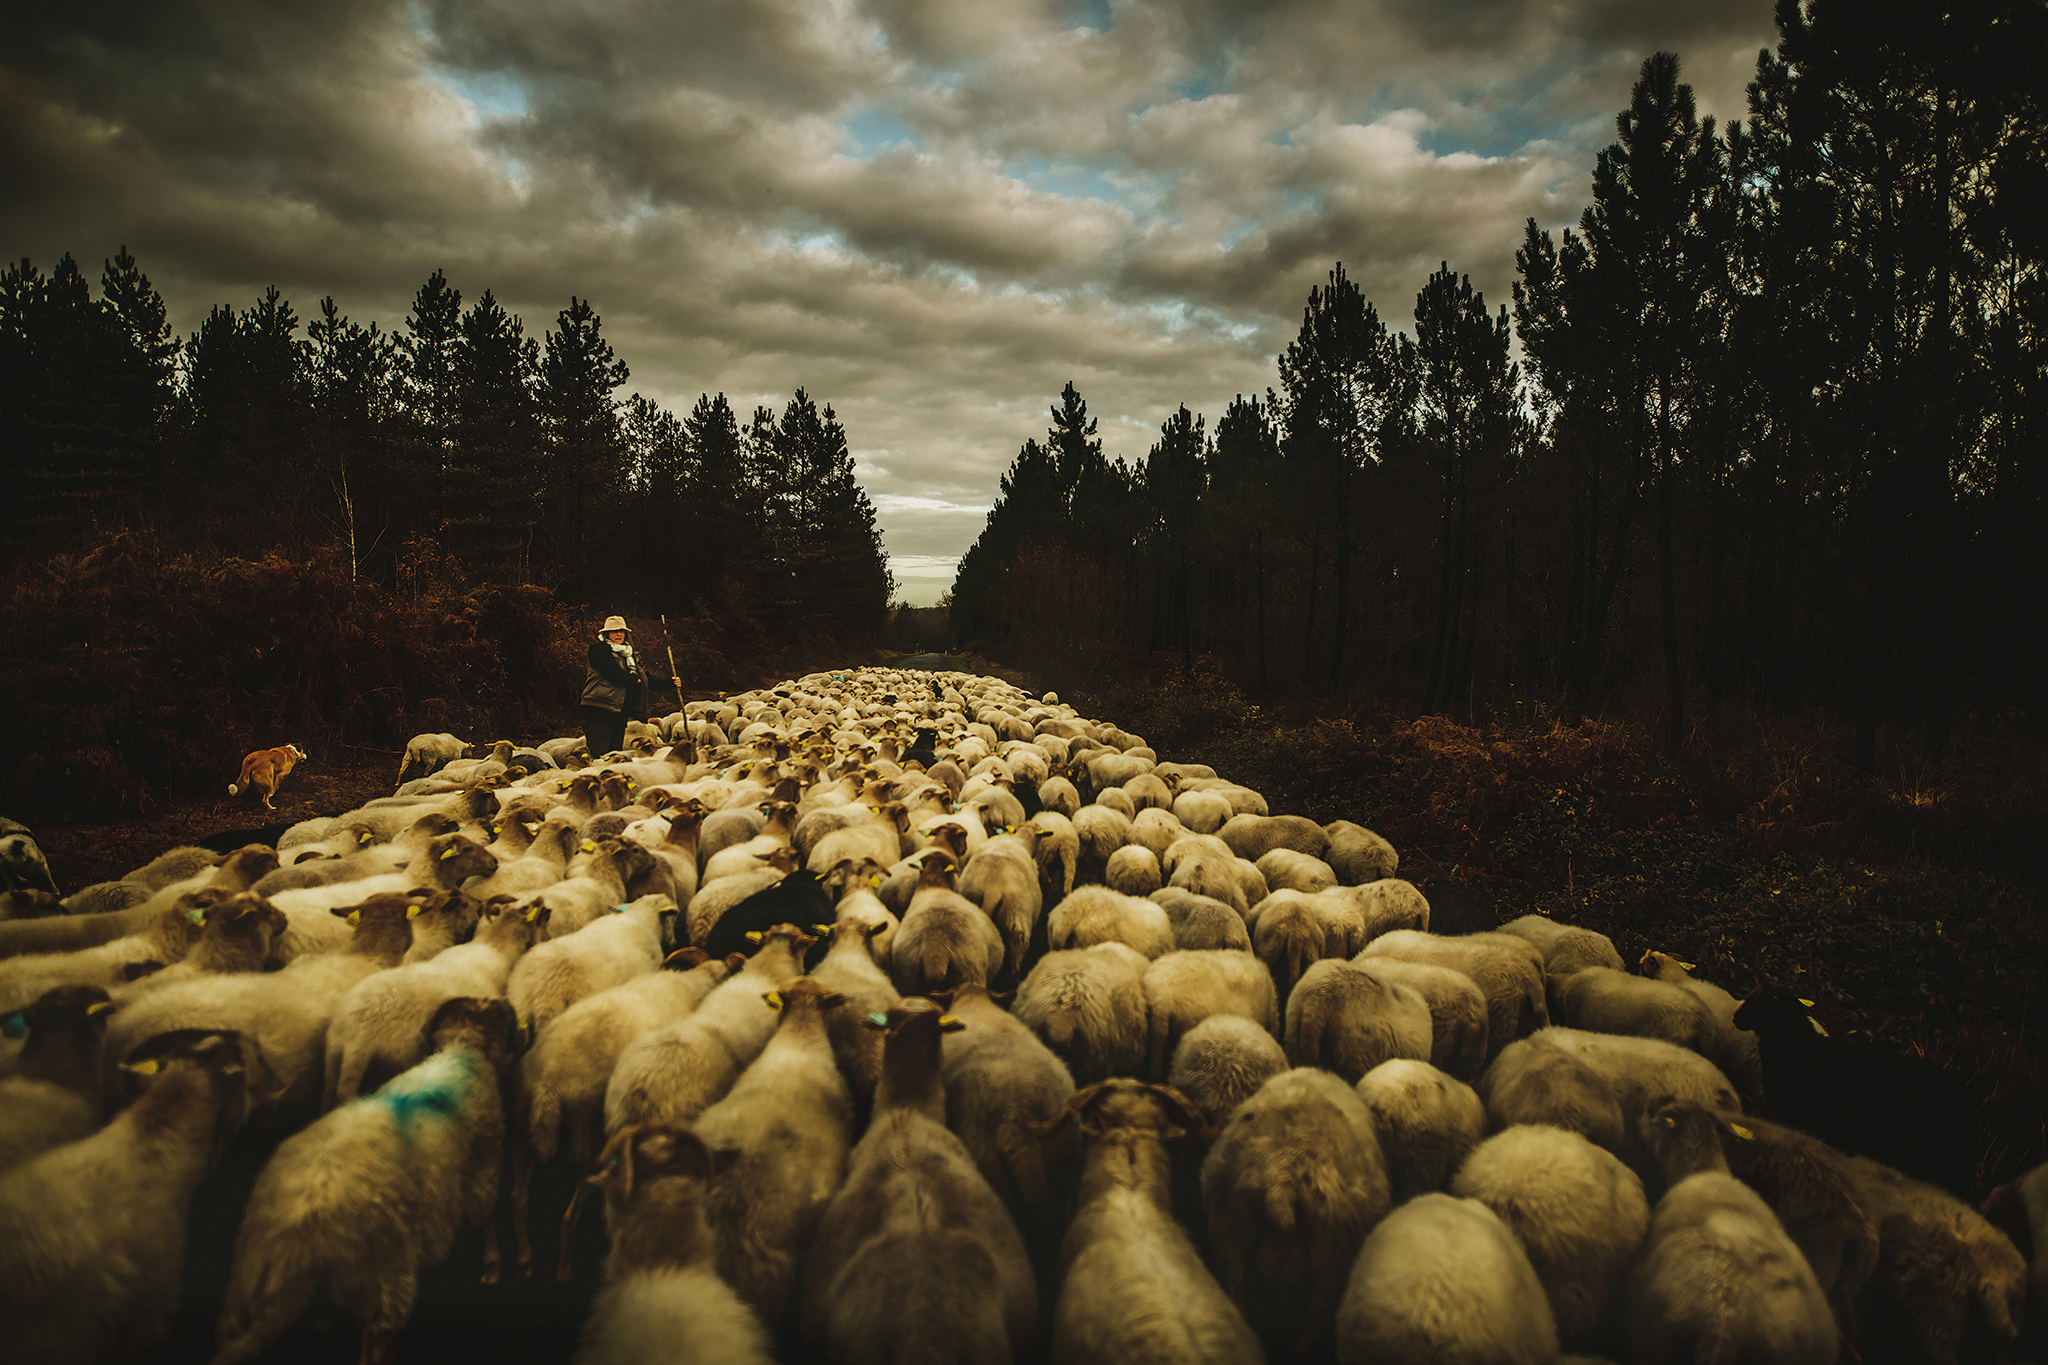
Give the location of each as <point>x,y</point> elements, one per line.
<point>931,214</point>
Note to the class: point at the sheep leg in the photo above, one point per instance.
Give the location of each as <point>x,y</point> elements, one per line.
<point>522,1190</point>
<point>490,1275</point>
<point>565,1267</point>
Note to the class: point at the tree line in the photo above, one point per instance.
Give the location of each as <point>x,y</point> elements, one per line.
<point>511,452</point>
<point>1774,433</point>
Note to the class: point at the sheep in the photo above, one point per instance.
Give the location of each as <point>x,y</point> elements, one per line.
<point>237,934</point>
<point>92,1233</point>
<point>1427,1123</point>
<point>1958,1281</point>
<point>281,1016</point>
<point>1132,871</point>
<point>1735,1050</point>
<point>1286,870</point>
<point>552,976</point>
<point>1088,1004</point>
<point>1288,937</point>
<point>1096,914</point>
<point>1343,1017</point>
<point>544,863</point>
<point>852,968</point>
<point>777,818</point>
<point>1059,795</point>
<point>1457,1012</point>
<point>1605,1000</point>
<point>379,1028</point>
<point>1221,1062</point>
<point>106,898</point>
<point>1580,1214</point>
<point>788,1125</point>
<point>1718,1278</point>
<point>662,1303</point>
<point>1100,832</point>
<point>1292,1185</point>
<point>913,1223</point>
<point>1442,1281</point>
<point>1000,1079</point>
<point>1623,1076</point>
<point>1058,851</point>
<point>873,836</point>
<point>1904,1111</point>
<point>1214,872</point>
<point>674,1073</point>
<point>2019,1208</point>
<point>174,865</point>
<point>1565,948</point>
<point>22,864</point>
<point>1385,906</point>
<point>1132,1286</point>
<point>1156,830</point>
<point>429,753</point>
<point>53,1095</point>
<point>443,863</point>
<point>368,1194</point>
<point>1253,836</point>
<point>562,1077</point>
<point>1002,878</point>
<point>1357,855</point>
<point>1184,988</point>
<point>1515,1004</point>
<point>1201,921</point>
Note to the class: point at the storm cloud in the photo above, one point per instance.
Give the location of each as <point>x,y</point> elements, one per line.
<point>929,213</point>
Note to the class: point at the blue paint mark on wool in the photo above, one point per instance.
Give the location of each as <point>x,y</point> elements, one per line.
<point>434,1088</point>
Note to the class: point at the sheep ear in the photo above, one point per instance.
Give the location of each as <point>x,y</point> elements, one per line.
<point>774,999</point>
<point>355,917</point>
<point>831,1000</point>
<point>951,1024</point>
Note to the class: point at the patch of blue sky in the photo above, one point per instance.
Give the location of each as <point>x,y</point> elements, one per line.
<point>1071,180</point>
<point>1493,129</point>
<point>875,131</point>
<point>1089,14</point>
<point>1300,201</point>
<point>1236,235</point>
<point>494,94</point>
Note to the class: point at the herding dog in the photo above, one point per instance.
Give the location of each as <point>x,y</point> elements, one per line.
<point>265,769</point>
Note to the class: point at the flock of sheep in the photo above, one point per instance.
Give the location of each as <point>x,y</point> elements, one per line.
<point>908,1017</point>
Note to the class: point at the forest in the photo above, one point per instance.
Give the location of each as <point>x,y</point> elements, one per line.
<point>1771,435</point>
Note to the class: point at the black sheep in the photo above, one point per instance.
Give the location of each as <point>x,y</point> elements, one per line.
<point>1455,908</point>
<point>797,899</point>
<point>1903,1111</point>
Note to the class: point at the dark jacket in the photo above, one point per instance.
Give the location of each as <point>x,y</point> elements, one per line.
<point>611,686</point>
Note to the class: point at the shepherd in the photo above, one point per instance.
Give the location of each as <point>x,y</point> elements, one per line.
<point>614,688</point>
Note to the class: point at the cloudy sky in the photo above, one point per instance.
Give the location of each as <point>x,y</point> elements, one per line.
<point>930,213</point>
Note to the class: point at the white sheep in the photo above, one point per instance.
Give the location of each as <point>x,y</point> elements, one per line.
<point>1605,1000</point>
<point>1566,948</point>
<point>944,938</point>
<point>1253,836</point>
<point>662,1302</point>
<point>853,968</point>
<point>1000,1079</point>
<point>1088,1004</point>
<point>363,1198</point>
<point>1096,914</point>
<point>1344,1017</point>
<point>1132,870</point>
<point>562,1077</point>
<point>1132,1286</point>
<point>1222,1061</point>
<point>379,1028</point>
<point>915,1257</point>
<point>1156,831</point>
<point>1580,1213</point>
<point>1443,1282</point>
<point>1058,851</point>
<point>429,753</point>
<point>1717,1277</point>
<point>674,1073</point>
<point>1100,832</point>
<point>552,976</point>
<point>1293,1183</point>
<point>53,1095</point>
<point>1002,878</point>
<point>1427,1122</point>
<point>1357,855</point>
<point>1184,988</point>
<point>1515,1003</point>
<point>1286,870</point>
<point>92,1233</point>
<point>1457,1012</point>
<point>788,1125</point>
<point>1736,1050</point>
<point>1202,922</point>
<point>1204,812</point>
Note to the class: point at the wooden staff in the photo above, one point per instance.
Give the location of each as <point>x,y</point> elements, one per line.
<point>673,675</point>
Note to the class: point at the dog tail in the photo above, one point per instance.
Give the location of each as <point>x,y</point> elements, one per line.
<point>234,789</point>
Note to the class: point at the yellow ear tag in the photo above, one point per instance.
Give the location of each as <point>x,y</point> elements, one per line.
<point>753,935</point>
<point>98,1007</point>
<point>1688,965</point>
<point>821,928</point>
<point>355,917</point>
<point>563,785</point>
<point>532,914</point>
<point>196,916</point>
<point>448,852</point>
<point>365,837</point>
<point>147,1068</point>
<point>1742,1132</point>
<point>948,1020</point>
<point>875,880</point>
<point>1807,1003</point>
<point>587,846</point>
<point>412,911</point>
<point>774,999</point>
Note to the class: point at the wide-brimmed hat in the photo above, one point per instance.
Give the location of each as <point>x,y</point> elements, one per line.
<point>612,623</point>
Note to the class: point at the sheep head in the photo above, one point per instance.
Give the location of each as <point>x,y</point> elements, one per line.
<point>487,1025</point>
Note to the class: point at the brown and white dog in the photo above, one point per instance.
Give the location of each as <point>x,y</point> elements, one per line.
<point>265,769</point>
